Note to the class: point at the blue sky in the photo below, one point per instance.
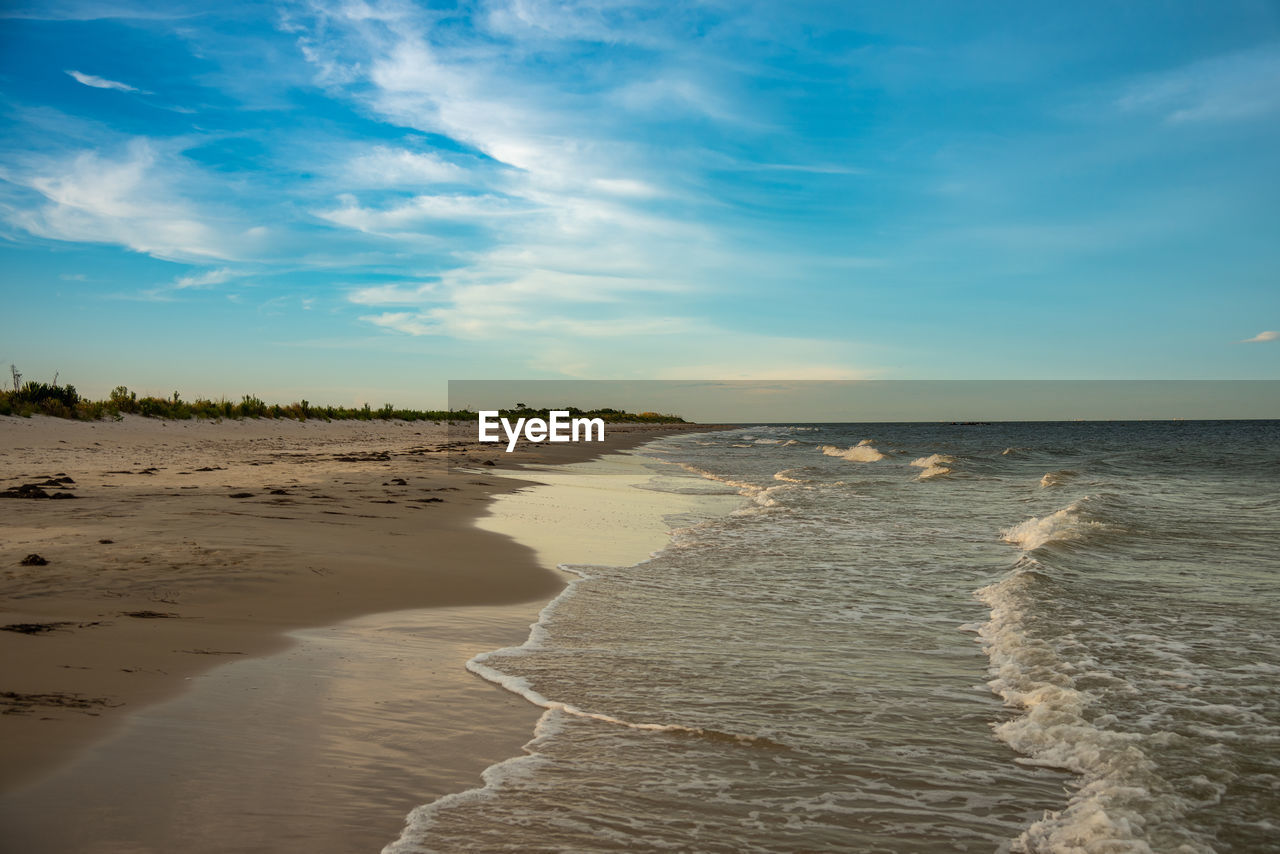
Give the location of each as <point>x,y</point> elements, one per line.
<point>353,202</point>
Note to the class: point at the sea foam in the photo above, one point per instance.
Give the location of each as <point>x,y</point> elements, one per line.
<point>863,452</point>
<point>1120,794</point>
<point>1056,478</point>
<point>934,465</point>
<point>1063,525</point>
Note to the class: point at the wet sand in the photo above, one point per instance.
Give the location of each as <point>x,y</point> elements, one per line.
<point>160,689</point>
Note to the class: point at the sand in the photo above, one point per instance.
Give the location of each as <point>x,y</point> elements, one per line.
<point>166,693</point>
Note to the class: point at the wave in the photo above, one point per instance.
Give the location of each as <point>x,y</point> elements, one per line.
<point>519,685</point>
<point>741,486</point>
<point>1120,794</point>
<point>762,496</point>
<point>934,465</point>
<point>1069,523</point>
<point>413,838</point>
<point>863,452</point>
<point>1056,478</point>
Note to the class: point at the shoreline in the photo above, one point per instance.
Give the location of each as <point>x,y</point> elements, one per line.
<point>254,615</point>
<point>602,517</point>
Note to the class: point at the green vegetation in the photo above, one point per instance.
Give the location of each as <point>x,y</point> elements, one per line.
<point>607,415</point>
<point>63,401</point>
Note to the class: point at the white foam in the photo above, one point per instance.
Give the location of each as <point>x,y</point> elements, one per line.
<point>1056,478</point>
<point>934,465</point>
<point>761,497</point>
<point>414,837</point>
<point>1060,526</point>
<point>537,637</point>
<point>744,488</point>
<point>1120,795</point>
<point>863,452</point>
<point>933,460</point>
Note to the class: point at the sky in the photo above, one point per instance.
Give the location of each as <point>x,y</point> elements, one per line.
<point>355,202</point>
<point>846,401</point>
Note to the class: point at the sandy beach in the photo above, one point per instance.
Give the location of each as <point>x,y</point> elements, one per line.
<point>251,635</point>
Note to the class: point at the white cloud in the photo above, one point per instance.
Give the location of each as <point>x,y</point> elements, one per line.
<point>200,280</point>
<point>204,280</point>
<point>585,236</point>
<point>402,321</point>
<point>79,10</point>
<point>418,214</point>
<point>104,83</point>
<point>507,321</point>
<point>681,94</point>
<point>627,187</point>
<point>614,23</point>
<point>392,167</point>
<point>1232,87</point>
<point>393,294</point>
<point>1269,335</point>
<point>127,200</point>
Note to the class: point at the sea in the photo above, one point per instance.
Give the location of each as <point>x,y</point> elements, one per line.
<point>1029,637</point>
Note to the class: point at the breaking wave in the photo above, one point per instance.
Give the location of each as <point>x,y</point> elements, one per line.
<point>863,452</point>
<point>1056,478</point>
<point>1120,795</point>
<point>1069,523</point>
<point>934,465</point>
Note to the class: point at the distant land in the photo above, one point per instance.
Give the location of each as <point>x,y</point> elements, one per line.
<point>63,401</point>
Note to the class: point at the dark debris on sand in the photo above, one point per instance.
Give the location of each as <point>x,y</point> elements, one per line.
<point>209,651</point>
<point>34,491</point>
<point>14,703</point>
<point>41,628</point>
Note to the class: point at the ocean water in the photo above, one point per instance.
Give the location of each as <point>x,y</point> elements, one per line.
<point>1005,637</point>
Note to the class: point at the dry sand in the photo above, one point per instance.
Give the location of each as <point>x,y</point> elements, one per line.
<point>159,692</point>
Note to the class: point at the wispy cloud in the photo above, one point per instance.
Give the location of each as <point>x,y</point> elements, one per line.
<point>384,166</point>
<point>104,83</point>
<point>204,279</point>
<point>404,217</point>
<point>575,230</point>
<point>128,198</point>
<point>1232,87</point>
<point>77,10</point>
<point>169,291</point>
<point>401,294</point>
<point>1269,335</point>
